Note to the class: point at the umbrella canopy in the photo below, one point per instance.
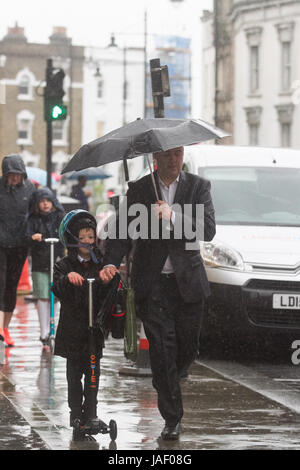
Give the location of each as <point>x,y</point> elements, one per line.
<point>89,173</point>
<point>140,137</point>
<point>38,175</point>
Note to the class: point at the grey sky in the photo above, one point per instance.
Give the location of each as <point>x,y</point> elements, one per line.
<point>90,22</point>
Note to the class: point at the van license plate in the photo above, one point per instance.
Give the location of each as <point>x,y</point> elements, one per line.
<point>285,301</point>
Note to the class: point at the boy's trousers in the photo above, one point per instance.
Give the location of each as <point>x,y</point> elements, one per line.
<point>82,400</point>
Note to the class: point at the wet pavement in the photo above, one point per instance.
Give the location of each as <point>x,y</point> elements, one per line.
<point>220,413</point>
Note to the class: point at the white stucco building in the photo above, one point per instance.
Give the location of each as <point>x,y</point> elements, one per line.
<point>267,68</point>
<point>113,94</point>
<point>266,72</point>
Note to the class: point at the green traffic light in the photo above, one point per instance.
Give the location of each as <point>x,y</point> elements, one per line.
<point>58,112</point>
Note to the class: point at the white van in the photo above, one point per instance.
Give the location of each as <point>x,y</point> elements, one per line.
<point>253,263</point>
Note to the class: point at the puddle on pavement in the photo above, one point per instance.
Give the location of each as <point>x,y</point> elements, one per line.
<point>219,414</point>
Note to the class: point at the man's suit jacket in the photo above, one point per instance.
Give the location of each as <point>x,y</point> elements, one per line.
<point>150,254</point>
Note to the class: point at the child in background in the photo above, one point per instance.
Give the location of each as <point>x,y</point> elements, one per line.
<point>45,215</point>
<point>78,233</point>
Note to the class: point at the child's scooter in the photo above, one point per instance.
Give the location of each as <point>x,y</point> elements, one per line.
<point>52,242</point>
<point>93,425</point>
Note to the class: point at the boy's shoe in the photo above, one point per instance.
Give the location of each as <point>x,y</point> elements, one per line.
<point>45,341</point>
<point>8,340</point>
<point>78,430</point>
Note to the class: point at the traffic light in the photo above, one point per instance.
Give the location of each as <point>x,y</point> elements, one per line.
<point>54,109</point>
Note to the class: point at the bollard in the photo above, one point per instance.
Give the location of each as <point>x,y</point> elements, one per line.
<point>142,367</point>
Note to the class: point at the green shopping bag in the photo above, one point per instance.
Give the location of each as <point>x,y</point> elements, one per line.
<point>130,333</point>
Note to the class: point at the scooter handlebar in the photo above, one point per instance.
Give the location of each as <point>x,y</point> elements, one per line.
<point>51,240</point>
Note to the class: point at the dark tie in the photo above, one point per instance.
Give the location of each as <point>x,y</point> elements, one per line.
<point>85,264</point>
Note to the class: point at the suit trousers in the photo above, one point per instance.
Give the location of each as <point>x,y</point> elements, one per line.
<point>172,327</point>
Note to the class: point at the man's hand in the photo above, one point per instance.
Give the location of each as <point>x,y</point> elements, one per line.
<point>162,210</point>
<point>106,274</point>
<point>37,237</point>
<point>75,278</point>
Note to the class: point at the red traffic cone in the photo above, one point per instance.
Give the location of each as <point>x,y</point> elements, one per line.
<point>142,367</point>
<point>24,286</point>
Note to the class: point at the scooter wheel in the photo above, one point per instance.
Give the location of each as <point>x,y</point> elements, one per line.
<point>113,430</point>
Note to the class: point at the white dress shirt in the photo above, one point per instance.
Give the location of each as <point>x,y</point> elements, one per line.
<point>168,195</point>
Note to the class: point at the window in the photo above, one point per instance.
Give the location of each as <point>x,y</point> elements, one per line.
<point>285,66</point>
<point>2,93</point>
<point>286,135</point>
<point>251,196</point>
<point>25,81</point>
<point>254,69</point>
<point>24,85</point>
<point>253,115</point>
<point>100,88</point>
<point>254,35</point>
<point>253,134</point>
<point>24,127</point>
<point>285,118</point>
<point>57,130</point>
<point>60,132</point>
<point>285,32</point>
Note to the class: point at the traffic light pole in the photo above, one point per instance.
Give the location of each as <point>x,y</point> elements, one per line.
<point>49,154</point>
<point>49,130</point>
<point>54,109</point>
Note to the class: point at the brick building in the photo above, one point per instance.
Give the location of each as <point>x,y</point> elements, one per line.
<point>22,82</point>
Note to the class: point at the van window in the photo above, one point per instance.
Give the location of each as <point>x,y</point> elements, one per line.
<point>255,196</point>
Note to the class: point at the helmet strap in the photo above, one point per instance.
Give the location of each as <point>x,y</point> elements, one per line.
<point>82,245</point>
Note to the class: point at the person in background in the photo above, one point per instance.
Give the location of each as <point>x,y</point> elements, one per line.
<point>15,193</point>
<point>80,194</point>
<point>45,215</point>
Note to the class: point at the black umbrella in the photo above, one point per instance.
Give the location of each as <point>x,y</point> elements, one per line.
<point>90,174</point>
<point>141,137</point>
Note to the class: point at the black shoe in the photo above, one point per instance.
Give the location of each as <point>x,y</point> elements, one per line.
<point>171,433</point>
<point>45,341</point>
<point>75,417</point>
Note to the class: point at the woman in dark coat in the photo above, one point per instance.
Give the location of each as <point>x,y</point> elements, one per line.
<point>15,192</point>
<point>45,215</point>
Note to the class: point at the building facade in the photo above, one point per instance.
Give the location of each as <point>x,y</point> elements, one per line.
<point>22,79</point>
<point>266,35</point>
<point>265,71</point>
<point>175,52</point>
<point>113,95</point>
<point>218,68</point>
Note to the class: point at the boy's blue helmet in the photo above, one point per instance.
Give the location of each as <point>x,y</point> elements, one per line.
<point>71,224</point>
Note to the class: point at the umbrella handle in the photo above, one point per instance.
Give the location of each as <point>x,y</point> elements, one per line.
<point>152,176</point>
<point>126,169</point>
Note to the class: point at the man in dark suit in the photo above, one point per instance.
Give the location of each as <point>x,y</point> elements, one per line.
<point>168,273</point>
